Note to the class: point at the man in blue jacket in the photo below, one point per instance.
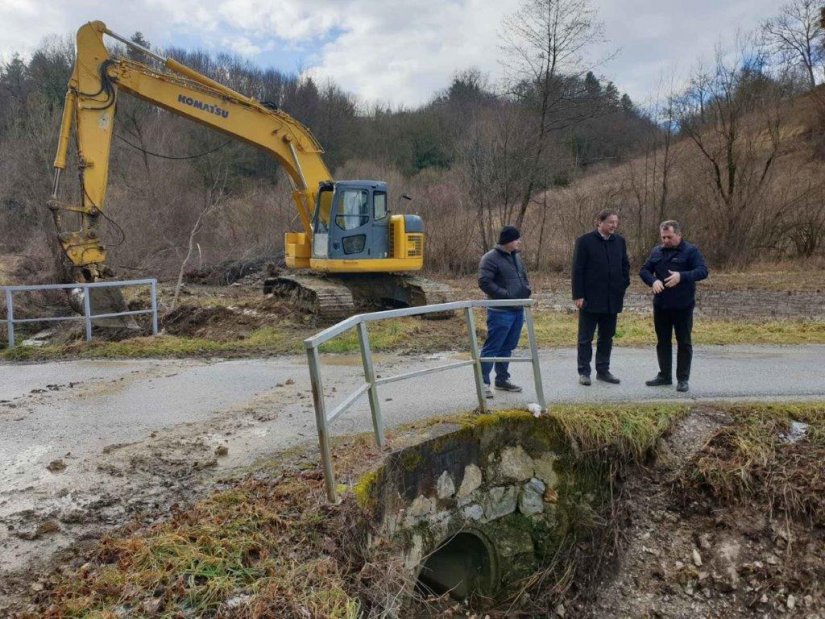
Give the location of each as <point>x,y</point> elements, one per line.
<point>501,275</point>
<point>601,274</point>
<point>672,270</point>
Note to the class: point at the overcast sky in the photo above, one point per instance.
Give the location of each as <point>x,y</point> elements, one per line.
<point>397,52</point>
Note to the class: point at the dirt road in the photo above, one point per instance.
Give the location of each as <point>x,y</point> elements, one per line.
<point>87,444</point>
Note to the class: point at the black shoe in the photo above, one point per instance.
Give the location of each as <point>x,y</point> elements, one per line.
<point>607,377</point>
<point>658,381</point>
<point>682,385</point>
<point>508,386</point>
<point>584,379</point>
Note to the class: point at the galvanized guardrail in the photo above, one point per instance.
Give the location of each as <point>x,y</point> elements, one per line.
<point>87,306</point>
<point>370,386</point>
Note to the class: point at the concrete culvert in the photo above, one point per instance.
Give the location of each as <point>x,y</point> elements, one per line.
<point>464,566</point>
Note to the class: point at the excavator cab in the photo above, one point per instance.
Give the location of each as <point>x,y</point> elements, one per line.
<point>351,221</point>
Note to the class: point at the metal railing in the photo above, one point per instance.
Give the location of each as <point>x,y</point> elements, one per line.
<point>370,386</point>
<point>87,316</point>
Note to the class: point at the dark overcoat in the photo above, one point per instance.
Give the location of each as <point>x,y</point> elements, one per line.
<point>601,272</point>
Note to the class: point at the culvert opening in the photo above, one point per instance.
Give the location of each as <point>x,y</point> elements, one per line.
<point>463,566</point>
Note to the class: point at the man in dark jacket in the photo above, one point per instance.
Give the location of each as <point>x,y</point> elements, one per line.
<point>601,274</point>
<point>501,275</point>
<point>672,270</point>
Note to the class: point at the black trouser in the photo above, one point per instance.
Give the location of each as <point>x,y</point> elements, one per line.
<point>666,322</point>
<point>587,327</point>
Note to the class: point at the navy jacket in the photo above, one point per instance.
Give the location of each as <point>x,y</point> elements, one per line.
<point>601,272</point>
<point>501,275</point>
<point>684,258</point>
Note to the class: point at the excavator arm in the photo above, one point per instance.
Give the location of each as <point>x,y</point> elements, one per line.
<point>90,106</point>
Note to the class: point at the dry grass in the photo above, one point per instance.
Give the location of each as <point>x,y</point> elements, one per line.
<point>756,461</point>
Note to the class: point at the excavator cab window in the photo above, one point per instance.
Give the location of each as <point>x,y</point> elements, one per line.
<point>323,208</point>
<point>379,201</point>
<point>353,209</point>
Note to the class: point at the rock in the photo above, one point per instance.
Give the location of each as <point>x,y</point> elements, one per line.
<point>422,506</point>
<point>726,557</point>
<point>516,464</point>
<point>473,512</point>
<point>413,558</point>
<point>151,607</point>
<point>445,487</point>
<point>544,469</point>
<point>697,558</point>
<point>500,501</point>
<point>56,466</point>
<point>471,481</point>
<point>221,450</point>
<point>289,381</point>
<point>531,499</point>
<point>791,602</point>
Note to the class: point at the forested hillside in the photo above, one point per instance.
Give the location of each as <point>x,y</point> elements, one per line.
<point>737,154</point>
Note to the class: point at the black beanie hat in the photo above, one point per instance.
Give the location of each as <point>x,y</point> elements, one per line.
<point>508,234</point>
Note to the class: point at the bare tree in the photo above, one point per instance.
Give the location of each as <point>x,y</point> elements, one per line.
<point>494,161</point>
<point>731,115</point>
<point>213,200</point>
<point>796,37</point>
<point>648,176</point>
<point>545,41</point>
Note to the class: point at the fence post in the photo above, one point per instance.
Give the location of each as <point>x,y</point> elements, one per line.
<point>10,317</point>
<point>369,376</point>
<point>87,311</point>
<point>154,285</point>
<point>321,421</point>
<point>534,354</point>
<point>471,330</point>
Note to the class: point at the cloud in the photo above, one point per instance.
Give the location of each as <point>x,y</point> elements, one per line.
<point>394,51</point>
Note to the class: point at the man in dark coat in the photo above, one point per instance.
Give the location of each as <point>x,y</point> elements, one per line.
<point>672,270</point>
<point>601,274</point>
<point>501,275</point>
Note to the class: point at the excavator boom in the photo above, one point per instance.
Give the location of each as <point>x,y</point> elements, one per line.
<point>346,226</point>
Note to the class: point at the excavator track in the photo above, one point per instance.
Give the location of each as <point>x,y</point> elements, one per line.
<point>326,299</point>
<point>331,298</point>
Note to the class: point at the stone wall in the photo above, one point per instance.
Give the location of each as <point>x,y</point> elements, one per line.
<point>511,480</point>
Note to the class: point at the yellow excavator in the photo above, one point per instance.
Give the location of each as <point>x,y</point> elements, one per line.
<point>351,252</point>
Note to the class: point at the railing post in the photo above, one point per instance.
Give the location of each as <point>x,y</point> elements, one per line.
<point>87,312</point>
<point>471,330</point>
<point>10,317</point>
<point>369,376</point>
<point>154,286</point>
<point>534,354</point>
<point>321,421</point>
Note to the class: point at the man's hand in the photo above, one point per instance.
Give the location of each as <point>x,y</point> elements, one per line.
<point>579,302</point>
<point>658,286</point>
<point>673,279</point>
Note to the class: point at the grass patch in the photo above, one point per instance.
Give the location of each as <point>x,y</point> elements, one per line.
<point>265,548</point>
<point>631,430</point>
<point>261,341</point>
<point>383,336</point>
<point>754,460</point>
<point>559,329</point>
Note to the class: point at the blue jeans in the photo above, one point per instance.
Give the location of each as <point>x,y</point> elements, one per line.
<point>503,332</point>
